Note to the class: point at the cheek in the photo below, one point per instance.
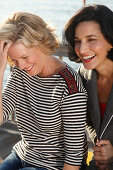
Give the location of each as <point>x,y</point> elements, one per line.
<point>77,49</point>
<point>97,47</point>
<point>101,50</point>
<point>30,60</point>
<point>33,59</point>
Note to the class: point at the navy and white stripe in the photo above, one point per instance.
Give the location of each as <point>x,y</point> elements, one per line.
<point>50,119</point>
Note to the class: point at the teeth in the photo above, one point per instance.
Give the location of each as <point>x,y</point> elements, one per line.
<point>88,57</point>
<point>27,69</point>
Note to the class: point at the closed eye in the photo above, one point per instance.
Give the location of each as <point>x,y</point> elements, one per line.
<point>25,57</point>
<point>91,39</point>
<point>77,41</point>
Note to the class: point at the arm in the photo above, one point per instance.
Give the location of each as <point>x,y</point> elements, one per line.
<point>3,64</point>
<point>73,110</point>
<point>1,108</point>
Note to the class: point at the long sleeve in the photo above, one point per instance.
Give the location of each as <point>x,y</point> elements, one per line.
<point>73,110</point>
<point>9,97</point>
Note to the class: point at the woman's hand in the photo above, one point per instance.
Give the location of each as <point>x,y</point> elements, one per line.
<point>4,46</point>
<point>70,167</point>
<point>103,154</point>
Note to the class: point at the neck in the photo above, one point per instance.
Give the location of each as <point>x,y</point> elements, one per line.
<point>53,66</point>
<point>105,71</point>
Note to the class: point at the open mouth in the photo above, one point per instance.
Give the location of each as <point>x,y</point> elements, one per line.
<point>88,58</point>
<point>28,69</point>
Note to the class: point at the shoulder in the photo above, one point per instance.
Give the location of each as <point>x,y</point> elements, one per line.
<point>87,75</point>
<point>20,75</point>
<point>84,73</point>
<point>72,79</point>
<point>17,72</point>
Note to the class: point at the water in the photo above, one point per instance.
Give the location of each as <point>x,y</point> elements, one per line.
<point>56,12</point>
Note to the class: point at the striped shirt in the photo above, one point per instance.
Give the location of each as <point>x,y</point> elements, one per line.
<point>51,115</point>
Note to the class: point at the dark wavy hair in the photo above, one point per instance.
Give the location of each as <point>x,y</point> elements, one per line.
<point>98,13</point>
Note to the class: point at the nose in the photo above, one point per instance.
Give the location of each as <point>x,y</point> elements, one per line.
<point>83,48</point>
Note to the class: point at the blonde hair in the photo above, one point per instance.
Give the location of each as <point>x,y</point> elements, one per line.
<point>30,30</point>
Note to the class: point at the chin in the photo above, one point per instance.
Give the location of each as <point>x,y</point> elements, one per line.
<point>88,67</point>
<point>31,74</point>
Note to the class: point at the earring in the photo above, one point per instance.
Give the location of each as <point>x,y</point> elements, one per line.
<point>110,54</point>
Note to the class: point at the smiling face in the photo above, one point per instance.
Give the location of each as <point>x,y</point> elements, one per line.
<point>90,45</point>
<point>29,59</point>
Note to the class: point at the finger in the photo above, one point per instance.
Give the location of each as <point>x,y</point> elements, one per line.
<point>101,162</point>
<point>103,142</point>
<point>4,46</point>
<point>102,166</point>
<point>96,149</point>
<point>97,154</point>
<point>1,46</point>
<point>100,159</point>
<point>7,44</point>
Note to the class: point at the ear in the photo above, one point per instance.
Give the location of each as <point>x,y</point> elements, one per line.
<point>110,54</point>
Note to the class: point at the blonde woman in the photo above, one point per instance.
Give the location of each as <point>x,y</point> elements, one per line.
<point>48,96</point>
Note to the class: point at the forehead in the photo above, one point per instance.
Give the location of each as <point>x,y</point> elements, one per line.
<point>17,47</point>
<point>18,50</point>
<point>87,27</point>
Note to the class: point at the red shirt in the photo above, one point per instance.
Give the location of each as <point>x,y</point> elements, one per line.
<point>102,109</point>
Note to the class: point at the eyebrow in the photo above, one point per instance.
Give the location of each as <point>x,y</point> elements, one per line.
<point>88,36</point>
<point>23,56</point>
<point>19,57</point>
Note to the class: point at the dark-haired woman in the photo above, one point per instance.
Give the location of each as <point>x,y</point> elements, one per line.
<point>89,35</point>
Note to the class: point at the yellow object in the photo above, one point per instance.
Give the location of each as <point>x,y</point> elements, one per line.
<point>90,155</point>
